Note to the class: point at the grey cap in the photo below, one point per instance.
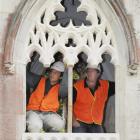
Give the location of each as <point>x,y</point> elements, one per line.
<point>59,66</point>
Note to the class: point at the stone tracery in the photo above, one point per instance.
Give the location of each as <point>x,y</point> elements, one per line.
<point>93,39</point>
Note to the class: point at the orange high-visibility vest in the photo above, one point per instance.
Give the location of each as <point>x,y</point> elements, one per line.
<point>41,102</point>
<point>89,108</point>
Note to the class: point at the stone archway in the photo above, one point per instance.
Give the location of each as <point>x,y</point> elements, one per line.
<point>15,48</point>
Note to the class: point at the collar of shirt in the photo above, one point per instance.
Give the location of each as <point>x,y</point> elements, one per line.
<point>48,85</point>
<point>91,89</point>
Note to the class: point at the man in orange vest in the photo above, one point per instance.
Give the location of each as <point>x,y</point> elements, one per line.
<point>43,102</point>
<point>89,99</point>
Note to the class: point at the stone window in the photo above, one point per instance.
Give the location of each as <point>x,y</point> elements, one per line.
<point>98,35</point>
<point>73,28</point>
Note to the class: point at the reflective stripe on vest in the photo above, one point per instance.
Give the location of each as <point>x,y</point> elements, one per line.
<point>89,108</point>
<point>39,101</point>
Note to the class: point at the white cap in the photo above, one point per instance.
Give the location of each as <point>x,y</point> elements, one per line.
<point>59,66</point>
<point>94,67</point>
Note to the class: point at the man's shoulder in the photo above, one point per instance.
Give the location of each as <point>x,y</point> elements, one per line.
<point>103,81</point>
<point>111,84</point>
<point>79,82</point>
<point>43,77</point>
<point>106,81</point>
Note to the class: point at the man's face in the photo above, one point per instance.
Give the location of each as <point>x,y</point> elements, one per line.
<point>92,75</point>
<point>54,75</point>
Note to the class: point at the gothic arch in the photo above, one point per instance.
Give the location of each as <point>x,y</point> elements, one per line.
<point>16,56</point>
<point>115,9</point>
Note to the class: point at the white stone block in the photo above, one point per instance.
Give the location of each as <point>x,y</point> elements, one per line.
<point>8,6</point>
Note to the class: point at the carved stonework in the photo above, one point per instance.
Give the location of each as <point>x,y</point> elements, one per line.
<point>9,68</point>
<point>128,29</point>
<point>85,30</point>
<point>133,69</point>
<point>93,39</point>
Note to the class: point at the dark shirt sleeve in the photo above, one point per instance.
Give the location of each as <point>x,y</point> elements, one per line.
<point>31,82</point>
<point>111,90</point>
<point>32,79</point>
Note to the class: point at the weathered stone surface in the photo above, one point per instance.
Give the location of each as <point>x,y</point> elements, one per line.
<point>12,87</point>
